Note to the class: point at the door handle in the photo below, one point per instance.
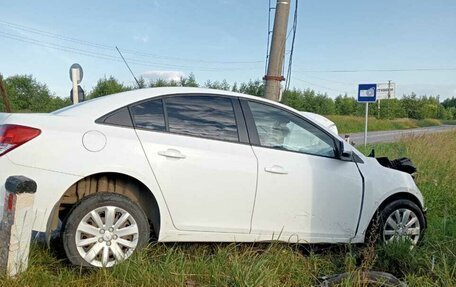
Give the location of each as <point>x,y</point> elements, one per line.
<point>277,169</point>
<point>172,153</point>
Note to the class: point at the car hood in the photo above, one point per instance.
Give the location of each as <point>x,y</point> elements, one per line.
<point>321,120</point>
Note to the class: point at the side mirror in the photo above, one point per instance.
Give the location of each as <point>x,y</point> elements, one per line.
<point>346,155</point>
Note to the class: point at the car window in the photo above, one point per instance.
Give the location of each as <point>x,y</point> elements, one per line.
<point>203,116</point>
<point>120,117</point>
<point>283,130</point>
<point>149,115</point>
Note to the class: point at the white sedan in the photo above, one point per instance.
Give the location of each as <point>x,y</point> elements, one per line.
<point>199,165</point>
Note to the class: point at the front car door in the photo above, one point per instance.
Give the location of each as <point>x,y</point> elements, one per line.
<point>198,149</point>
<point>304,193</point>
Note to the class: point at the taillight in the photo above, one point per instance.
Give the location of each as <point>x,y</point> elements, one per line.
<point>13,136</point>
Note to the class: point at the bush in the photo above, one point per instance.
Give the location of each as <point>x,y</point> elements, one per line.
<point>27,95</point>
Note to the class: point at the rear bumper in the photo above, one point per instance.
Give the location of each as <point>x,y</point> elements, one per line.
<point>50,186</point>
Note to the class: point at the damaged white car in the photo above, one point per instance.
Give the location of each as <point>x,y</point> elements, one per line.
<point>200,165</point>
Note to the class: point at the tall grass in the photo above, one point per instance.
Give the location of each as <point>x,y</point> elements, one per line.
<point>431,264</point>
<point>353,124</point>
<point>449,122</point>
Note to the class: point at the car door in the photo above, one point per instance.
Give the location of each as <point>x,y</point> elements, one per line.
<point>198,149</point>
<point>303,190</point>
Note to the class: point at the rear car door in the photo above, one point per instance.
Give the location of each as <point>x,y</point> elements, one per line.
<point>303,190</point>
<point>198,149</point>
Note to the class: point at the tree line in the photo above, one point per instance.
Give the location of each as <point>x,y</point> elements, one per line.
<point>26,94</point>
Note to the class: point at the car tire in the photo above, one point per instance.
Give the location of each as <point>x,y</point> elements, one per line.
<point>398,220</point>
<point>104,229</point>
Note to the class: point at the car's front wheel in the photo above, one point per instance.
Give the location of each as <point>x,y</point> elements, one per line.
<point>104,229</point>
<point>399,220</point>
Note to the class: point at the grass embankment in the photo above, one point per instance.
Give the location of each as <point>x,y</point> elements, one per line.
<point>352,124</point>
<point>449,122</point>
<point>432,264</point>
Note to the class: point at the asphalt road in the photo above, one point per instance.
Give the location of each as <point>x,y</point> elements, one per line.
<point>395,135</point>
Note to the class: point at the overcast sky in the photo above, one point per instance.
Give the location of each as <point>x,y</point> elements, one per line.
<point>226,39</point>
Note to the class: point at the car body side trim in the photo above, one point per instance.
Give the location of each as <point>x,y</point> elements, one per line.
<point>240,122</point>
<point>250,123</point>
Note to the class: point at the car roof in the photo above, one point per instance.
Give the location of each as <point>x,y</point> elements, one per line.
<point>98,107</point>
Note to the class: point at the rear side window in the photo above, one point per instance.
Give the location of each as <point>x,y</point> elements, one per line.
<point>120,117</point>
<point>149,115</point>
<point>202,116</point>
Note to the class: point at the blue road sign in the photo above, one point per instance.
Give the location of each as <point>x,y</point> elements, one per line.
<point>367,93</point>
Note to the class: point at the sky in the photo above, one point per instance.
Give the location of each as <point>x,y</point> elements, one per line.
<point>339,44</point>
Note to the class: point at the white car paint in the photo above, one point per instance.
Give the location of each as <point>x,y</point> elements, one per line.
<point>219,179</point>
<point>300,198</point>
<point>321,120</point>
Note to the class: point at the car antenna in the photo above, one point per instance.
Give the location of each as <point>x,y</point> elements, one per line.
<point>137,82</point>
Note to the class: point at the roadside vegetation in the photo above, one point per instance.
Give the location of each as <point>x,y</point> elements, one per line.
<point>354,124</point>
<point>28,95</point>
<point>275,264</point>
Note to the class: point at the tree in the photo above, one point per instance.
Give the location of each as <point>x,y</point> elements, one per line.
<point>447,103</point>
<point>26,94</point>
<point>234,88</point>
<point>162,83</point>
<point>223,85</point>
<point>294,99</point>
<point>107,86</point>
<point>391,109</point>
<point>141,83</point>
<point>254,88</point>
<point>346,105</point>
<point>189,81</point>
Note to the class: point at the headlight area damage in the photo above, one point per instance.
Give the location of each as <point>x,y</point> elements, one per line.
<point>403,163</point>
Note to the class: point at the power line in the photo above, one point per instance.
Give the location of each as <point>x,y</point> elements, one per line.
<point>111,48</point>
<point>56,46</point>
<point>290,59</point>
<point>320,86</point>
<point>378,70</point>
<point>333,81</point>
<point>53,35</point>
<point>108,56</point>
<point>268,42</point>
<point>141,53</point>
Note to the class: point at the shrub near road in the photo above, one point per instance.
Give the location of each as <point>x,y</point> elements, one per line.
<point>431,264</point>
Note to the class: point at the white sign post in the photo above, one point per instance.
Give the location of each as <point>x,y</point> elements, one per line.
<point>76,75</point>
<point>385,91</point>
<point>367,93</point>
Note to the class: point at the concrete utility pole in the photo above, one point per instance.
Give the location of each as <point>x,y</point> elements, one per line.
<point>6,102</point>
<point>277,53</point>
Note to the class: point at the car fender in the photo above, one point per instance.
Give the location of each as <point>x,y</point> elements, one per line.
<point>380,184</point>
<point>166,222</point>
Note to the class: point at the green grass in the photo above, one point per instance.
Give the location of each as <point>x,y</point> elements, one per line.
<point>431,264</point>
<point>449,122</point>
<point>353,124</point>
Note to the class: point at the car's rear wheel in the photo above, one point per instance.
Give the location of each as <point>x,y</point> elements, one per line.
<point>104,229</point>
<point>399,220</point>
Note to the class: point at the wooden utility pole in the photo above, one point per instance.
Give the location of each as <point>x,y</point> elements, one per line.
<point>277,53</point>
<point>5,99</point>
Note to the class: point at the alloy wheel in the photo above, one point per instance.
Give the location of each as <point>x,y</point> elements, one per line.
<point>106,235</point>
<point>402,224</point>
